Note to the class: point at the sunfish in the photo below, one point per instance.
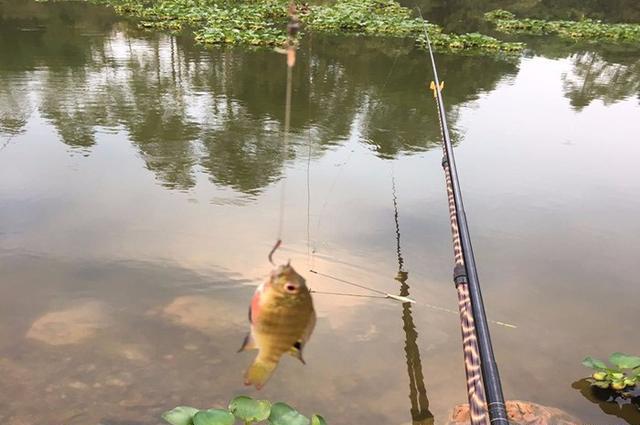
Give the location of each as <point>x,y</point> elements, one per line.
<point>282,319</point>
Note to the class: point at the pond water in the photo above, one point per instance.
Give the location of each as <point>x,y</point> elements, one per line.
<point>139,190</point>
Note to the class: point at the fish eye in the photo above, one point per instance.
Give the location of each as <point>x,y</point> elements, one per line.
<point>290,287</point>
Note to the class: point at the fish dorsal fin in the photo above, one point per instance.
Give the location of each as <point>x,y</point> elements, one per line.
<point>296,351</point>
<point>249,343</point>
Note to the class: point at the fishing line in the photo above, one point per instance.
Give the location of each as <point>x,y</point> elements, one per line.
<point>386,295</point>
<point>7,142</point>
<point>292,29</point>
<point>346,294</point>
<point>386,80</point>
<point>342,166</point>
<point>328,195</point>
<point>309,258</point>
<point>357,285</point>
<point>11,137</point>
<point>309,202</point>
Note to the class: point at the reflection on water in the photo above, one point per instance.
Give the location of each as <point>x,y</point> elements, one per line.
<point>465,15</point>
<point>138,204</point>
<point>420,414</point>
<point>627,409</point>
<point>188,110</point>
<point>595,78</point>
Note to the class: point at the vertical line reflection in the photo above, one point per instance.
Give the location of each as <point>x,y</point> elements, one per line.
<point>420,413</point>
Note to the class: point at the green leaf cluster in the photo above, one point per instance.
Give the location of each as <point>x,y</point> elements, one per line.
<point>263,22</point>
<point>370,17</point>
<point>624,372</point>
<point>587,29</point>
<point>387,17</point>
<point>244,409</point>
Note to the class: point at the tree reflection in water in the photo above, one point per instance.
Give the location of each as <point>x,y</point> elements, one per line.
<point>219,111</point>
<point>187,109</point>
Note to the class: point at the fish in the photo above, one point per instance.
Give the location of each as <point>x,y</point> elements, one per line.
<point>282,318</point>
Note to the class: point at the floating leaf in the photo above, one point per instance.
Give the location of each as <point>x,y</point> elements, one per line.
<point>594,363</point>
<point>618,385</point>
<point>213,417</point>
<point>624,361</point>
<point>250,410</point>
<point>283,414</point>
<point>181,415</point>
<point>318,420</point>
<point>601,384</point>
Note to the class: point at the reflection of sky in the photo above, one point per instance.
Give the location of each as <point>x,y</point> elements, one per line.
<point>551,195</point>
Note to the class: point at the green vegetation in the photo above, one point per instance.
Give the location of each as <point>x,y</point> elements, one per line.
<point>625,372</point>
<point>584,29</point>
<point>242,408</point>
<point>263,22</point>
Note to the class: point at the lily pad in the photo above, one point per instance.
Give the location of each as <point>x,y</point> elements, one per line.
<point>250,410</point>
<point>624,361</point>
<point>283,414</point>
<point>594,363</point>
<point>213,417</point>
<point>181,415</point>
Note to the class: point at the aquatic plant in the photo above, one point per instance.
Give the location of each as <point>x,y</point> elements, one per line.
<point>372,17</point>
<point>624,374</point>
<point>263,22</point>
<point>245,409</point>
<point>588,29</point>
<point>386,17</point>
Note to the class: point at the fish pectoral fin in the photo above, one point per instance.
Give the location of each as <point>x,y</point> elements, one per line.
<point>249,343</point>
<point>296,351</point>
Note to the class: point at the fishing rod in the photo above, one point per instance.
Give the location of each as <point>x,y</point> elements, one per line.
<point>472,312</point>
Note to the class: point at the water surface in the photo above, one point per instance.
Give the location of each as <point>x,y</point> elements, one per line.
<point>139,190</point>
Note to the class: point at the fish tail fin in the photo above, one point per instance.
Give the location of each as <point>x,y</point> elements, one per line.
<point>259,372</point>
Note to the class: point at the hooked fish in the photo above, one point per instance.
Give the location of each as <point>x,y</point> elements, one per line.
<point>282,319</point>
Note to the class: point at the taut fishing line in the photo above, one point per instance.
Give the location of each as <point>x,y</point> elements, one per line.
<point>11,137</point>
<point>7,142</point>
<point>309,258</point>
<point>292,30</point>
<point>387,296</point>
<point>339,172</point>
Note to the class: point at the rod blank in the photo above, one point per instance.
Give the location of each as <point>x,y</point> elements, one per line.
<point>491,378</point>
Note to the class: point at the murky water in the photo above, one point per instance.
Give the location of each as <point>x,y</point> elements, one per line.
<point>139,191</point>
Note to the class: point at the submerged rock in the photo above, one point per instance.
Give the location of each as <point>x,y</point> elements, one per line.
<point>205,314</point>
<point>520,413</point>
<point>69,326</point>
<point>77,385</point>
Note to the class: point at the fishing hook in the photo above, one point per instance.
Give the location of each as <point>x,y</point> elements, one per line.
<point>273,250</point>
